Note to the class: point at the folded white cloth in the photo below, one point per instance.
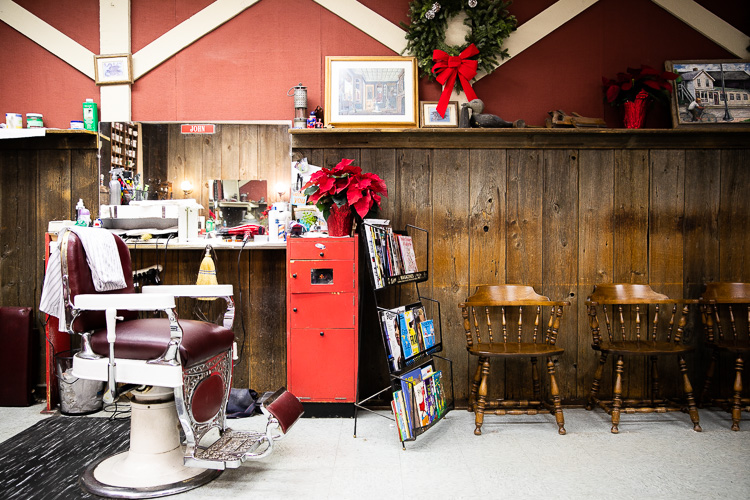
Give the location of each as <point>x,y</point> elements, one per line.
<point>102,257</point>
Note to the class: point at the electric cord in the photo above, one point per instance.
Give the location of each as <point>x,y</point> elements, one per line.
<point>239,305</point>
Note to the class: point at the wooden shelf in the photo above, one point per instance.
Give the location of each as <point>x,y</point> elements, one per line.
<point>533,138</point>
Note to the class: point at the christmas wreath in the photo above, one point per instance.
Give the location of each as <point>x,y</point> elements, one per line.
<point>488,20</point>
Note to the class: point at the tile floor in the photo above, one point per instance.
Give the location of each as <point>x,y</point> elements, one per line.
<point>653,457</point>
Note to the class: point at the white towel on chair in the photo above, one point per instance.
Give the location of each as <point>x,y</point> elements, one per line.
<point>102,257</point>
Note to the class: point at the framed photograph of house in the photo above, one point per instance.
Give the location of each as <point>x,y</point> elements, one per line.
<point>371,91</point>
<point>112,69</point>
<point>429,117</point>
<point>711,93</point>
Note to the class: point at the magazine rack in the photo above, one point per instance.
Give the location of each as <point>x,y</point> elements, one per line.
<point>387,271</point>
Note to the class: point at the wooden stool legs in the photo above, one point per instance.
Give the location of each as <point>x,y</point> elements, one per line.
<point>482,396</point>
<point>688,390</point>
<point>737,400</point>
<point>555,393</point>
<point>597,380</point>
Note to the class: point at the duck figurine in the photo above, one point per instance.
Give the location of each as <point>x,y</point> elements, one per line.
<point>478,119</point>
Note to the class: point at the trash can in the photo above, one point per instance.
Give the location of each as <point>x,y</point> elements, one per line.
<point>77,396</point>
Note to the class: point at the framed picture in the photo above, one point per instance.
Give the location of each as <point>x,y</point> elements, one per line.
<point>429,117</point>
<point>113,69</point>
<point>371,91</point>
<point>711,93</point>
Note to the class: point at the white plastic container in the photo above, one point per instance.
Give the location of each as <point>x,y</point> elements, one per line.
<point>34,120</point>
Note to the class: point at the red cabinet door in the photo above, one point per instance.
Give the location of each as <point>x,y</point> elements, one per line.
<point>321,364</point>
<point>316,276</point>
<point>322,310</point>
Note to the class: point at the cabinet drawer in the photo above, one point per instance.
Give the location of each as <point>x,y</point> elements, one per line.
<point>321,248</point>
<point>322,310</point>
<point>312,276</point>
<point>322,367</point>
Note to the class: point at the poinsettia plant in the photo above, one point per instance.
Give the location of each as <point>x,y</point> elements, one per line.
<point>345,185</point>
<point>627,85</point>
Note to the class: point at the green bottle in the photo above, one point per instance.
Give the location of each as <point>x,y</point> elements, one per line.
<point>90,115</point>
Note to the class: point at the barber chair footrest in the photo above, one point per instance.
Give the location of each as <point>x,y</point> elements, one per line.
<point>232,448</point>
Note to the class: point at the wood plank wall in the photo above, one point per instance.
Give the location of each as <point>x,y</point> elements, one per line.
<point>561,211</point>
<point>667,208</point>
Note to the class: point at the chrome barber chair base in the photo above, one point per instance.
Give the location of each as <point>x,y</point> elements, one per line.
<point>154,464</point>
<point>89,483</point>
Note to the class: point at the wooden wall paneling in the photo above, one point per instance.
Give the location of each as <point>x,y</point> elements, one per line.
<point>250,148</point>
<point>560,254</point>
<point>230,152</point>
<point>701,255</point>
<point>488,176</point>
<point>666,244</point>
<point>372,353</point>
<point>155,152</point>
<point>193,170</point>
<point>450,250</point>
<point>595,251</point>
<point>176,153</point>
<point>274,158</point>
<point>415,207</point>
<point>631,238</point>
<point>734,216</point>
<point>211,163</point>
<point>524,249</point>
<point>13,196</point>
<point>266,322</point>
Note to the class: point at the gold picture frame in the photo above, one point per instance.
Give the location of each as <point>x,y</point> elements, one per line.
<point>429,117</point>
<point>374,91</point>
<point>729,106</point>
<point>113,69</point>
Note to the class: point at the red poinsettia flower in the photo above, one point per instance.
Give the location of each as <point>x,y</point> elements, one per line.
<point>628,85</point>
<point>345,185</point>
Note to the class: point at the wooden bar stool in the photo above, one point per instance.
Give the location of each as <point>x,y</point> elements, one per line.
<point>518,315</point>
<point>725,311</point>
<point>639,322</point>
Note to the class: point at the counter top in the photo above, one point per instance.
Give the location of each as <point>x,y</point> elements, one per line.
<point>200,244</point>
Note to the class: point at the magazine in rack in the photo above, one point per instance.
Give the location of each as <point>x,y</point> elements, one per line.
<point>411,334</point>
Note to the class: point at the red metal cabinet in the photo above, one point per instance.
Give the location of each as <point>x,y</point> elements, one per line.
<point>322,319</point>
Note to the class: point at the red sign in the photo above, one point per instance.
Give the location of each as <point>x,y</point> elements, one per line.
<point>198,128</point>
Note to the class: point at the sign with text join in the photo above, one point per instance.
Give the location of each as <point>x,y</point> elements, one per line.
<point>198,128</point>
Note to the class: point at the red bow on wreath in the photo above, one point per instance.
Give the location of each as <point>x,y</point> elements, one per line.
<point>447,68</point>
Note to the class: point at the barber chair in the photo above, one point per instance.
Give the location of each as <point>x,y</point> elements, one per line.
<point>178,374</point>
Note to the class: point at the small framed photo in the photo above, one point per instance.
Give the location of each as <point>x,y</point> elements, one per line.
<point>708,94</point>
<point>371,91</point>
<point>113,69</point>
<point>430,117</point>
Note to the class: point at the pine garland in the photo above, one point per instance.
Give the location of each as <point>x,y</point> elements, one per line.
<point>489,23</point>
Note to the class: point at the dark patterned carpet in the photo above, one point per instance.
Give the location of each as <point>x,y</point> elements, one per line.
<point>45,460</point>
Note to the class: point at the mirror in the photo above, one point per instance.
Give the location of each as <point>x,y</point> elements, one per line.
<point>237,202</point>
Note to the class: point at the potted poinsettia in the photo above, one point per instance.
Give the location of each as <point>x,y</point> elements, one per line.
<point>342,191</point>
<point>635,89</point>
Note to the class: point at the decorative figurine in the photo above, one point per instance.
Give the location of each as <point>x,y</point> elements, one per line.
<point>486,120</point>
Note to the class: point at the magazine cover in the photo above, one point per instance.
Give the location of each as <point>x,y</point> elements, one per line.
<point>407,254</point>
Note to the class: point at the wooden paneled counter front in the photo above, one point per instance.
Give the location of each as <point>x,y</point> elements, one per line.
<point>559,209</point>
<point>258,275</point>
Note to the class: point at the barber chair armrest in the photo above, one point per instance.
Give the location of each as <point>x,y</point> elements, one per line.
<point>128,301</point>
<point>191,290</point>
<point>199,291</point>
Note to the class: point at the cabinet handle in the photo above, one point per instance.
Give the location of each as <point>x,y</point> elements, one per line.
<point>294,309</point>
<point>321,334</point>
<point>321,254</point>
<point>294,275</point>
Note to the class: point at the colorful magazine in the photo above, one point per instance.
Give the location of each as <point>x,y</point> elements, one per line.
<point>407,254</point>
<point>427,328</point>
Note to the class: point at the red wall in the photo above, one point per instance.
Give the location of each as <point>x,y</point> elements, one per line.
<point>243,69</point>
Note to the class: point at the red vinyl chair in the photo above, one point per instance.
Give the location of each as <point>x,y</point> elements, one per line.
<point>177,372</point>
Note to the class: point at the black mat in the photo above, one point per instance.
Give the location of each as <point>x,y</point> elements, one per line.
<point>45,460</point>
